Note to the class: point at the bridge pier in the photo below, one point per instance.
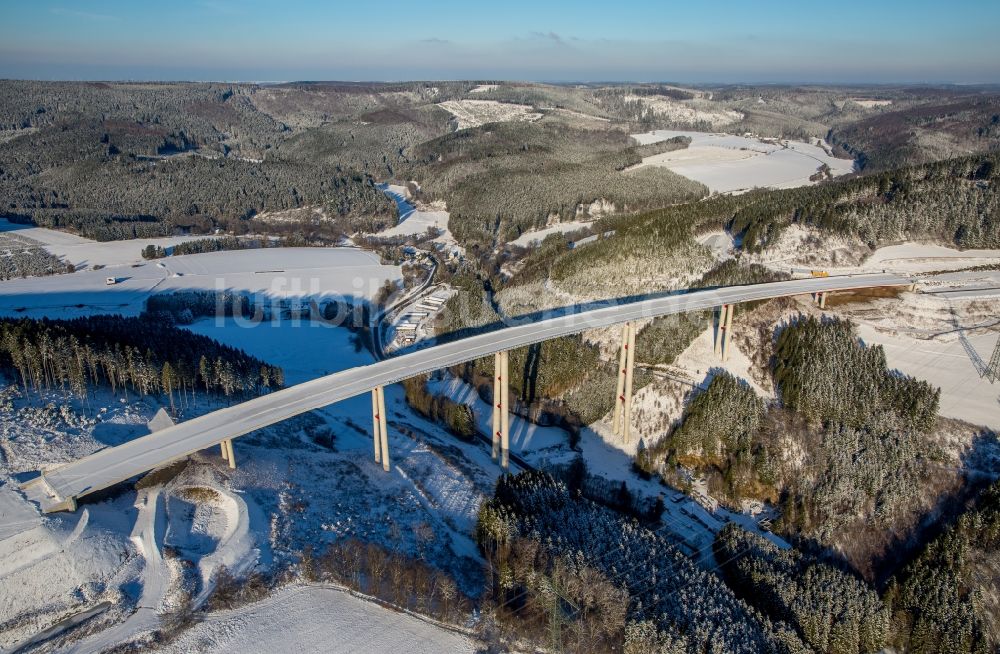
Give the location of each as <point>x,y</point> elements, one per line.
<point>380,428</point>
<point>622,420</point>
<point>723,333</point>
<point>376,429</point>
<point>820,299</point>
<point>720,330</point>
<point>497,402</point>
<point>225,451</point>
<point>501,409</point>
<point>620,388</point>
<point>728,334</point>
<point>230,456</point>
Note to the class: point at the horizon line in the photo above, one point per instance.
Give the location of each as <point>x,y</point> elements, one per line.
<point>494,80</point>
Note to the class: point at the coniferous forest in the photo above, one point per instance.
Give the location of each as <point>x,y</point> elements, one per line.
<point>545,545</point>
<point>619,586</point>
<point>142,356</point>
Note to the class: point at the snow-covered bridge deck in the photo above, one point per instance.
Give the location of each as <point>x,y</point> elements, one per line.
<point>61,486</point>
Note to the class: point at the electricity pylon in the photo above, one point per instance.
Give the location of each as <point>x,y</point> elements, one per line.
<point>993,371</point>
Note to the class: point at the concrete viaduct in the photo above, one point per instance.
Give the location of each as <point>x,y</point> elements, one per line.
<point>58,489</point>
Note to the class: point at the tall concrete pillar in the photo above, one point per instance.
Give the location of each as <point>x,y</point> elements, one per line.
<point>620,388</point>
<point>497,403</point>
<point>225,451</point>
<point>727,333</point>
<point>822,300</point>
<point>505,410</point>
<point>720,331</point>
<point>383,429</point>
<point>230,456</point>
<point>376,427</point>
<point>629,368</point>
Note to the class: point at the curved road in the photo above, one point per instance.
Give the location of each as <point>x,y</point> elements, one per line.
<point>116,464</point>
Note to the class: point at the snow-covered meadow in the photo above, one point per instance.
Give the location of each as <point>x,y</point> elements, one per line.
<point>473,113</point>
<point>414,221</point>
<point>85,253</point>
<point>727,164</point>
<point>318,619</point>
<point>275,273</point>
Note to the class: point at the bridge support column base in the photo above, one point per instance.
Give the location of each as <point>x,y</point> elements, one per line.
<point>225,451</point>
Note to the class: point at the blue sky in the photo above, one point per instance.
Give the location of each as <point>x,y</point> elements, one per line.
<point>719,41</point>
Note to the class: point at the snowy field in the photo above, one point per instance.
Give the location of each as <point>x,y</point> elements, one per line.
<point>946,364</point>
<point>85,253</point>
<point>411,221</point>
<point>304,349</point>
<point>416,222</point>
<point>473,113</point>
<point>921,257</point>
<point>534,237</point>
<point>869,103</point>
<point>726,163</point>
<point>277,273</point>
<point>318,619</point>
